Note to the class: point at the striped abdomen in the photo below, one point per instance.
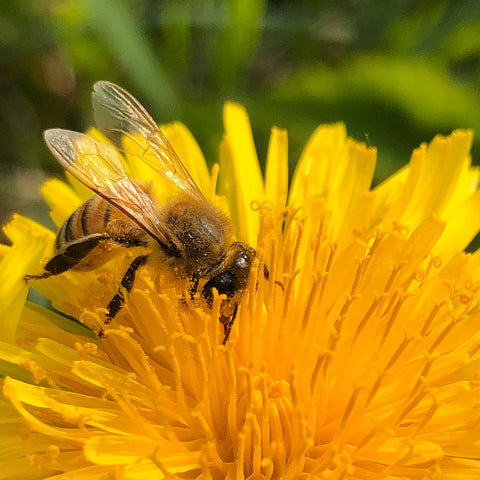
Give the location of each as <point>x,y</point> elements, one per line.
<point>91,217</point>
<point>90,237</point>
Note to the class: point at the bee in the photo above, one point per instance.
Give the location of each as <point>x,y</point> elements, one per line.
<point>187,233</point>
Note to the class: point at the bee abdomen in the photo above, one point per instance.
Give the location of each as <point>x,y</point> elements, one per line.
<point>89,218</point>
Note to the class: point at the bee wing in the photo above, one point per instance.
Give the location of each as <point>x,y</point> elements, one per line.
<point>99,167</point>
<point>118,113</point>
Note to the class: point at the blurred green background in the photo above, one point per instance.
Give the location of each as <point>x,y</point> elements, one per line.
<point>396,72</point>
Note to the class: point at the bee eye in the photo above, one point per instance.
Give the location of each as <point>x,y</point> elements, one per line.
<point>232,280</point>
<point>242,260</point>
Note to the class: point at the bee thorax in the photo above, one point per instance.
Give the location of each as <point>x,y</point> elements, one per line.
<point>201,232</point>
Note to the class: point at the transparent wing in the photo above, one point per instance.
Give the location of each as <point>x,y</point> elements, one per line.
<point>118,113</point>
<point>99,167</point>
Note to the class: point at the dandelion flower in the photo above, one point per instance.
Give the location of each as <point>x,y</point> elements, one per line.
<point>357,357</point>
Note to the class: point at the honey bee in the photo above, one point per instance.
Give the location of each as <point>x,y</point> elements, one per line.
<point>188,234</point>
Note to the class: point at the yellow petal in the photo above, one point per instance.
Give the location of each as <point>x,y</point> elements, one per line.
<point>4,249</point>
<point>433,175</point>
<point>61,199</point>
<point>240,175</point>
<point>319,164</point>
<point>387,193</point>
<point>30,243</point>
<point>350,189</point>
<point>339,171</point>
<point>117,450</point>
<point>463,223</point>
<point>276,170</point>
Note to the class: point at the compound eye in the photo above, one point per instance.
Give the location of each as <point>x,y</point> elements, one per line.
<point>243,261</point>
<point>232,280</point>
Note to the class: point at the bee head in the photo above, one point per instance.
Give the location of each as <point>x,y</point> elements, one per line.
<point>231,278</point>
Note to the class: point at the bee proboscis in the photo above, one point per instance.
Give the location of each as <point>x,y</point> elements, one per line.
<point>187,233</point>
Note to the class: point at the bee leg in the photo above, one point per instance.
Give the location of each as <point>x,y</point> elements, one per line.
<point>69,257</point>
<point>126,285</point>
<point>227,326</point>
<point>28,278</point>
<point>194,285</point>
